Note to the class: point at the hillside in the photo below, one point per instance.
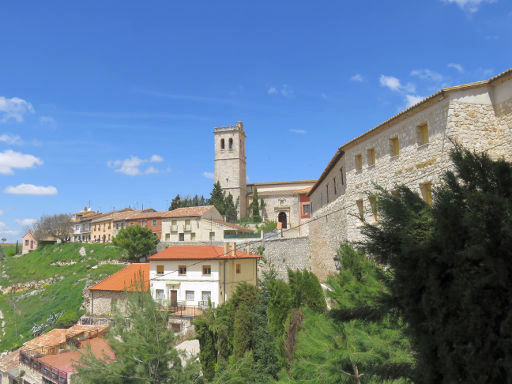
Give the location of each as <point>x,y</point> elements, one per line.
<point>49,280</point>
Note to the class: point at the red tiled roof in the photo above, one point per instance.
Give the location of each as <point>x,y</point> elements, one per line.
<point>199,252</point>
<point>189,211</point>
<point>66,361</point>
<point>235,226</point>
<point>125,279</point>
<point>148,215</point>
<point>304,190</point>
<point>58,336</point>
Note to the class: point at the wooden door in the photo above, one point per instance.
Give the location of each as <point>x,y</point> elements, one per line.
<point>174,298</point>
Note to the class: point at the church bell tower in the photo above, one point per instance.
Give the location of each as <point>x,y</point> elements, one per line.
<point>230,168</point>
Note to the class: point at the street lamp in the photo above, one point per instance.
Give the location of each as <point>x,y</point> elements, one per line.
<point>336,262</point>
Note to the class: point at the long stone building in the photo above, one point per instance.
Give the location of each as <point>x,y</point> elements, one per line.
<point>285,201</point>
<point>411,148</point>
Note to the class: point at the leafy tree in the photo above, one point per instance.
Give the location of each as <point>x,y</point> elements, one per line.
<point>57,226</point>
<point>138,241</point>
<point>4,239</point>
<point>452,271</point>
<point>143,346</point>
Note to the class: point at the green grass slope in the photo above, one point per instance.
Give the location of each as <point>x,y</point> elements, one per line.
<point>62,295</point>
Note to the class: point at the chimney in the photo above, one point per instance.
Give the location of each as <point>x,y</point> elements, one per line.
<point>233,249</point>
<point>226,249</point>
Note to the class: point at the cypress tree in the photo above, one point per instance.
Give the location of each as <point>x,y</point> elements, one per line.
<point>217,198</point>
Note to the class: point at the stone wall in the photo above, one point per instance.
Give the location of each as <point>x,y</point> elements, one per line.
<point>100,302</point>
<point>282,254</point>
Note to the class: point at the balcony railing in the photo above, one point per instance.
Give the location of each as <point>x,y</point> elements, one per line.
<point>187,228</point>
<point>182,309</point>
<point>47,370</point>
<point>174,228</point>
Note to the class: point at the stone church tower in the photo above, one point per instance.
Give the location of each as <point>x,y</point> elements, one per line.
<point>230,167</point>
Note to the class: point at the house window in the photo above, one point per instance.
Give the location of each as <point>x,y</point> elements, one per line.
<point>230,144</point>
<point>426,192</point>
<point>176,327</point>
<point>26,242</point>
<point>341,174</point>
<point>359,161</point>
<point>422,133</point>
<point>131,224</point>
<point>371,156</point>
<point>334,182</point>
<point>154,223</point>
<point>31,244</point>
<point>327,192</point>
<point>360,208</point>
<point>182,237</point>
<point>394,146</point>
<point>222,144</point>
<point>193,236</point>
<point>143,223</point>
<point>167,237</point>
<point>159,294</point>
<point>373,205</point>
<point>212,236</point>
<point>238,268</point>
<point>159,269</point>
<point>189,295</point>
<point>306,210</point>
<point>207,269</point>
<point>206,295</point>
<point>182,270</point>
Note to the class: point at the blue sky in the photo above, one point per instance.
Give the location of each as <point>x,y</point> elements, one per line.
<point>115,102</point>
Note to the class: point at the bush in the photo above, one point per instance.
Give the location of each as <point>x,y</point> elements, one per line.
<point>138,241</point>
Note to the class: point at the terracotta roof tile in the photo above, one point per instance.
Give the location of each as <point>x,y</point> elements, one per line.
<point>10,361</point>
<point>58,336</point>
<point>199,252</point>
<point>66,361</point>
<point>125,279</point>
<point>189,211</point>
<point>148,215</point>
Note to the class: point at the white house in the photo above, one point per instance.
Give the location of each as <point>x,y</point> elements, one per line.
<point>190,276</point>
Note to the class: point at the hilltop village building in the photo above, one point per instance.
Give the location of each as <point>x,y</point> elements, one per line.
<point>282,200</point>
<point>411,148</point>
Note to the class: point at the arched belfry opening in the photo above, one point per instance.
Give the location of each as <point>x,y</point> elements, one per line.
<point>222,144</point>
<point>283,219</point>
<point>230,144</point>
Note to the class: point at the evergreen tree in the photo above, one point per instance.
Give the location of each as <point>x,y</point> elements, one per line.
<point>244,300</point>
<point>255,207</point>
<point>217,198</point>
<point>143,346</point>
<point>452,270</point>
<point>306,290</point>
<point>279,306</point>
<point>175,203</point>
<point>207,343</point>
<point>230,209</point>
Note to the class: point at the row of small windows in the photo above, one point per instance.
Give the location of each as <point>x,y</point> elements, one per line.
<point>182,270</point>
<point>223,144</point>
<point>394,147</point>
<point>426,194</point>
<point>335,186</point>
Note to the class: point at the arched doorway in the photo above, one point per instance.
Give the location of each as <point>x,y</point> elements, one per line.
<point>282,219</point>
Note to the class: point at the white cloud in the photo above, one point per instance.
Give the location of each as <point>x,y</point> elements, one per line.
<point>427,74</point>
<point>156,159</point>
<point>456,66</point>
<point>5,231</point>
<point>470,6</point>
<point>284,90</point>
<point>410,100</point>
<point>30,189</point>
<point>14,108</point>
<point>132,166</point>
<point>9,160</point>
<point>47,120</point>
<point>357,77</point>
<point>10,139</point>
<point>1,212</point>
<point>26,222</point>
<point>395,85</point>
<point>300,131</point>
<point>208,175</point>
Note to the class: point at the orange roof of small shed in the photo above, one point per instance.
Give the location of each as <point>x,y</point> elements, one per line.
<point>125,279</point>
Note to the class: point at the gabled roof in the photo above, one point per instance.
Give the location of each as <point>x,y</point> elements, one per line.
<point>125,279</point>
<point>234,226</point>
<point>111,215</point>
<point>57,336</point>
<point>148,215</point>
<point>199,252</point>
<point>189,211</point>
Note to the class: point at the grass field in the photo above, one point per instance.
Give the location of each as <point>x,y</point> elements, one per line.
<point>25,309</point>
